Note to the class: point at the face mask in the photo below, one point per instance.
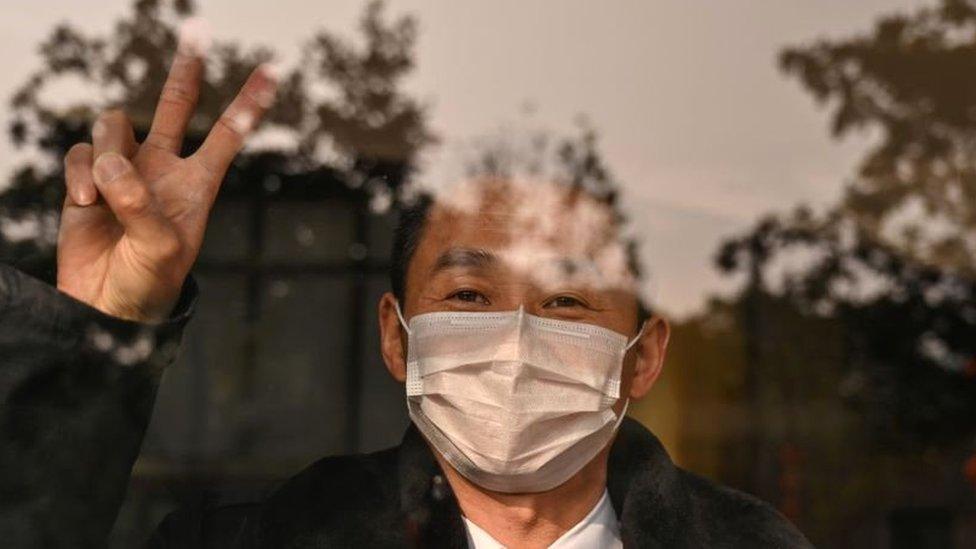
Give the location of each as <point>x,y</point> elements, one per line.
<point>514,402</point>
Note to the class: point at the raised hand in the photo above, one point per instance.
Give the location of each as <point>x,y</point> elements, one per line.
<point>135,213</point>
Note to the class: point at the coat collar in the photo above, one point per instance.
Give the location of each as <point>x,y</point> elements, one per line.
<point>646,491</point>
<point>430,511</point>
<point>644,488</point>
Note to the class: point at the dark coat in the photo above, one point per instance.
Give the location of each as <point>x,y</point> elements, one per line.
<point>76,392</point>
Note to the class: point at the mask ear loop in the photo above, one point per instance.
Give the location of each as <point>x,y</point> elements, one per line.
<point>623,414</point>
<point>636,337</point>
<point>630,344</point>
<point>404,322</point>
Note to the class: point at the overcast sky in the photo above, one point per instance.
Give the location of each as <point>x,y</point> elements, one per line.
<point>696,120</point>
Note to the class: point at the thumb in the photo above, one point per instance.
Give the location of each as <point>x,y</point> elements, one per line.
<point>128,196</point>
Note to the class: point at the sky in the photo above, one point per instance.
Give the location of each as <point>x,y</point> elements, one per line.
<point>696,121</point>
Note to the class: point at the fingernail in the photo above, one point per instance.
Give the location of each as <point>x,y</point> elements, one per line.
<point>98,129</point>
<point>109,166</point>
<point>86,195</point>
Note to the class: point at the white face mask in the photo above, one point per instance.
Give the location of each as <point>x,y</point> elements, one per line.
<point>514,402</point>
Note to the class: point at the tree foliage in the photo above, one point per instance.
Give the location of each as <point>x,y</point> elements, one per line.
<point>341,109</point>
<point>894,260</point>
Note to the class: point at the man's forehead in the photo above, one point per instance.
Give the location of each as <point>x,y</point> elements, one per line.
<point>524,210</point>
<point>543,230</point>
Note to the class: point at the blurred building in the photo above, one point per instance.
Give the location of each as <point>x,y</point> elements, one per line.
<point>769,416</point>
<point>280,364</point>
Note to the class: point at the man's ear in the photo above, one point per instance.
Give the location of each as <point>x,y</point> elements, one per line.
<point>393,344</point>
<point>651,349</point>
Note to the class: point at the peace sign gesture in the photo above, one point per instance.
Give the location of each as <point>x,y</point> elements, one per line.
<point>135,213</point>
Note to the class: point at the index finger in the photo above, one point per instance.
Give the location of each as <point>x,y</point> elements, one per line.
<point>181,91</point>
<point>243,114</point>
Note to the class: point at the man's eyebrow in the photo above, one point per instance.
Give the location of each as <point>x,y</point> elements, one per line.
<point>465,257</point>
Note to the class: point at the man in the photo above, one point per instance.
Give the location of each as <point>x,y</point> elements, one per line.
<point>512,321</point>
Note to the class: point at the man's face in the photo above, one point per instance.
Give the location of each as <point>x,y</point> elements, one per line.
<point>496,246</point>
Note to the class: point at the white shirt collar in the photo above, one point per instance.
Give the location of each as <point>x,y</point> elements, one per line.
<point>598,529</point>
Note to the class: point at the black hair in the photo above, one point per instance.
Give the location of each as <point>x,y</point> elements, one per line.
<point>406,237</point>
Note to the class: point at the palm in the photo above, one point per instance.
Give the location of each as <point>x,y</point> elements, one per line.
<point>94,247</point>
<point>133,266</point>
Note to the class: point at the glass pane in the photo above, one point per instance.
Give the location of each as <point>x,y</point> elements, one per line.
<point>317,232</point>
<point>380,230</point>
<point>198,409</point>
<point>382,409</point>
<point>227,237</point>
<point>300,379</point>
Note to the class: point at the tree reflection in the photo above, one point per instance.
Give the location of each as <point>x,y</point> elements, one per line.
<point>341,109</point>
<point>895,259</point>
<point>884,280</point>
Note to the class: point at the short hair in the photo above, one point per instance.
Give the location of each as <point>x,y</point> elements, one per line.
<point>406,237</point>
<point>410,229</point>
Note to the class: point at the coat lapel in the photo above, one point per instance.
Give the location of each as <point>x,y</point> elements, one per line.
<point>430,511</point>
<point>642,481</point>
<point>645,489</point>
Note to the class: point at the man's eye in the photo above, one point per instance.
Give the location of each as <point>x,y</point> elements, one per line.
<point>564,301</point>
<point>469,296</point>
